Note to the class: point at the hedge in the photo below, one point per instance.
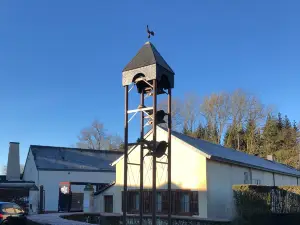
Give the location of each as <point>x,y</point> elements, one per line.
<point>255,201</point>
<point>133,220</point>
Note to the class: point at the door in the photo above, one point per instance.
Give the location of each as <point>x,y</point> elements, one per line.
<point>63,201</point>
<point>76,202</point>
<point>108,203</point>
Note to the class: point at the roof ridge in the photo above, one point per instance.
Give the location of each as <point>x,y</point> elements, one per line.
<point>152,52</point>
<point>182,136</point>
<point>78,149</point>
<point>162,61</point>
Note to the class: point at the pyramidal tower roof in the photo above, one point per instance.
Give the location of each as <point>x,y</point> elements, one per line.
<point>147,55</point>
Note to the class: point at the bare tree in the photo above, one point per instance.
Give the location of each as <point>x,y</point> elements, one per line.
<point>256,114</point>
<point>189,111</point>
<point>4,169</point>
<point>95,137</point>
<point>216,109</point>
<point>113,142</point>
<point>238,114</point>
<point>175,114</point>
<point>256,110</point>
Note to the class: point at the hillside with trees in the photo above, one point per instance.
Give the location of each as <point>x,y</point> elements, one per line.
<point>240,121</point>
<point>236,120</point>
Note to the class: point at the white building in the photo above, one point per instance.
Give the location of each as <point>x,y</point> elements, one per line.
<point>202,177</point>
<point>52,167</point>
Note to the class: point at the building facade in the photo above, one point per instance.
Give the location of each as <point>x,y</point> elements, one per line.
<point>202,177</point>
<point>49,166</point>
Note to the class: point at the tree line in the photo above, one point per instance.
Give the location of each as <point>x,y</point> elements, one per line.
<point>240,121</point>
<point>235,119</point>
<point>96,137</point>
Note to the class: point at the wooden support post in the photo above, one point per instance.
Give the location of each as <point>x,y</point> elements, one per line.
<point>125,157</point>
<point>154,158</point>
<point>169,155</point>
<point>142,161</point>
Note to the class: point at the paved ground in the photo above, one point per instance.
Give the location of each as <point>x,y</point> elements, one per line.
<point>54,219</point>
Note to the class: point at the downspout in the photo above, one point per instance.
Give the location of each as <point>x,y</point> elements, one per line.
<point>274,184</point>
<point>38,183</point>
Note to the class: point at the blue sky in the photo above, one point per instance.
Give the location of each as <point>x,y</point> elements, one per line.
<point>61,61</point>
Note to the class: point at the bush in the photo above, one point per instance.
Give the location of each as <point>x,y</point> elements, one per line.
<point>92,218</point>
<point>133,219</point>
<point>263,203</point>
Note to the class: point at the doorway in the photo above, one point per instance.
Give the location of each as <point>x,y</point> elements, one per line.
<point>108,203</point>
<point>76,202</point>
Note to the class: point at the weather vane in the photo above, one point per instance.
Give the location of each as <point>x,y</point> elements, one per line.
<point>150,33</point>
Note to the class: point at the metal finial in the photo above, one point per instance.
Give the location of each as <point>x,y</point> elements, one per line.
<point>150,33</point>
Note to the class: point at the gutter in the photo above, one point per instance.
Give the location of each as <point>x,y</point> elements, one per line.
<point>219,159</point>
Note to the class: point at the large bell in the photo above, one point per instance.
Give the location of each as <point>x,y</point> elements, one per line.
<point>160,115</point>
<point>142,85</point>
<point>160,147</point>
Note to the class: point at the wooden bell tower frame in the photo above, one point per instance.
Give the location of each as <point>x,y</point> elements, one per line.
<point>150,73</point>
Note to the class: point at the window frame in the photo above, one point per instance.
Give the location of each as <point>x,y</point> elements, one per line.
<point>105,203</point>
<point>192,203</point>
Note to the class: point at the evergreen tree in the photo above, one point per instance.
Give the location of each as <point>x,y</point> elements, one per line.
<point>252,136</point>
<point>287,123</point>
<point>235,138</point>
<point>270,136</point>
<point>200,132</point>
<point>280,127</point>
<point>233,121</point>
<point>295,127</point>
<point>185,130</point>
<point>288,135</point>
<point>279,122</point>
<point>228,138</point>
<point>210,133</point>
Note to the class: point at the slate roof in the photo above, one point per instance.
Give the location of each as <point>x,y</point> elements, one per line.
<point>147,55</point>
<point>104,188</point>
<point>220,153</point>
<point>73,159</point>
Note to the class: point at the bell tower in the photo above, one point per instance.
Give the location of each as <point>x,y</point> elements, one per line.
<point>152,76</point>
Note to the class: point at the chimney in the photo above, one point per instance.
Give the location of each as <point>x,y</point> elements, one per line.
<point>13,162</point>
<point>271,157</point>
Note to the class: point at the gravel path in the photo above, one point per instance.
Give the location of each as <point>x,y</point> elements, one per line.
<point>54,219</point>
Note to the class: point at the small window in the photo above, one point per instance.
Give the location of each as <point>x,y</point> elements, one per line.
<point>108,203</point>
<point>246,178</point>
<point>257,182</point>
<point>185,203</point>
<point>136,201</point>
<point>159,202</point>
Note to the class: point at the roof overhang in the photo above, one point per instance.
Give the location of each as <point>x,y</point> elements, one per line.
<point>104,188</point>
<point>211,157</point>
<point>79,170</point>
<point>25,185</point>
<point>228,161</point>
